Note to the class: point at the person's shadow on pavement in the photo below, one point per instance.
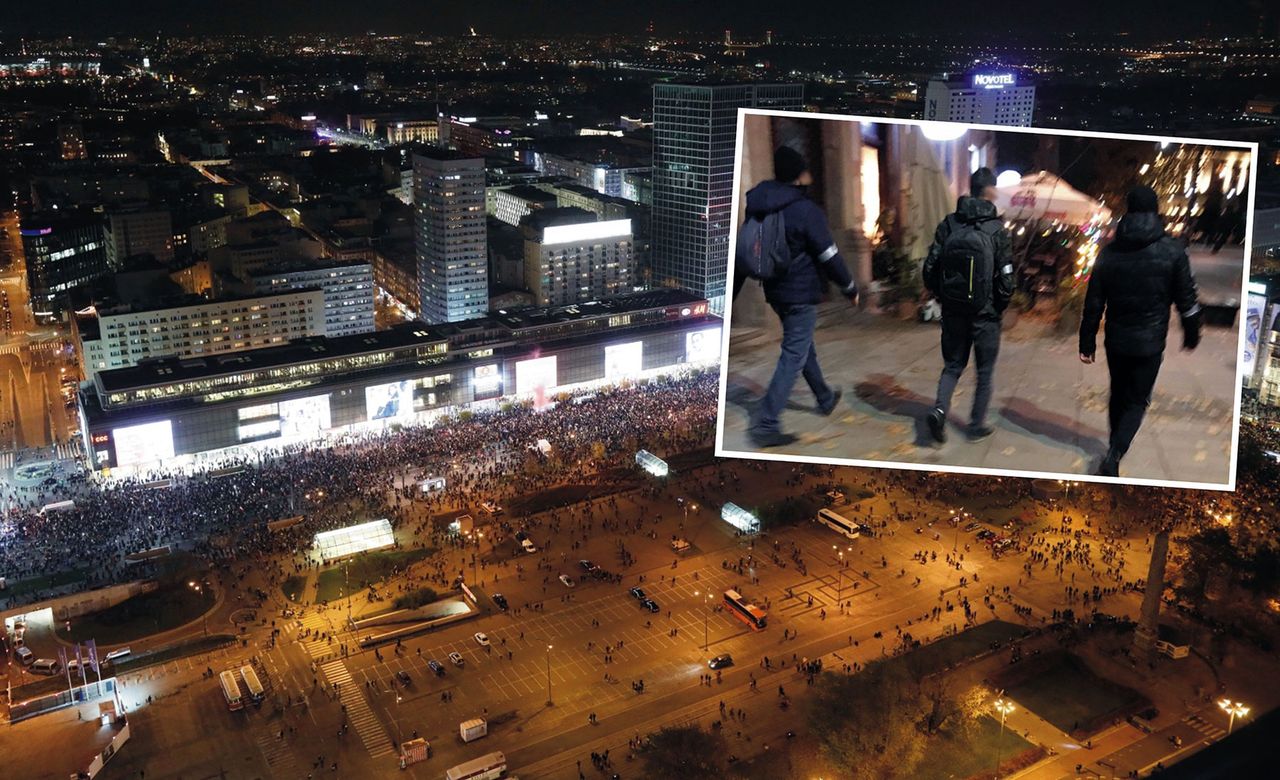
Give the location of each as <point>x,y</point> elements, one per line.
<point>883,393</point>
<point>1059,428</point>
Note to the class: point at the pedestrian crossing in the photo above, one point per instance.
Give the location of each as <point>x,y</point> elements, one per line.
<point>67,450</point>
<point>316,647</point>
<point>280,757</point>
<point>1203,726</point>
<point>358,712</point>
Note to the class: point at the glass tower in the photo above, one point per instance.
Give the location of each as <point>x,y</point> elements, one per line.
<point>449,230</point>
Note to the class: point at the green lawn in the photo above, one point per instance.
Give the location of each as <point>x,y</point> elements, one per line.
<point>171,606</point>
<point>363,570</point>
<point>950,756</point>
<point>293,587</point>
<point>1070,696</point>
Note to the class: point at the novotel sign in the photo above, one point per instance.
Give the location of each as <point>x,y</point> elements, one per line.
<point>994,80</point>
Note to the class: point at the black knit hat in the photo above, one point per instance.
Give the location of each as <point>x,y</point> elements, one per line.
<point>1142,200</point>
<point>980,180</point>
<point>788,164</point>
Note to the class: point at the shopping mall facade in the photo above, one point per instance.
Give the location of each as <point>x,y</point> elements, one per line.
<point>203,413</point>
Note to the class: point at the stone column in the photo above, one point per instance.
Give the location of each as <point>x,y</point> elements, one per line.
<point>1144,638</point>
<point>842,174</point>
<point>757,165</point>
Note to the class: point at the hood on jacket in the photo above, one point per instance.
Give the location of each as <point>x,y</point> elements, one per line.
<point>971,209</point>
<point>1138,230</point>
<point>770,196</point>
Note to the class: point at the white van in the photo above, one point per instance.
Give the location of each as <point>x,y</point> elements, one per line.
<point>24,655</point>
<point>49,666</point>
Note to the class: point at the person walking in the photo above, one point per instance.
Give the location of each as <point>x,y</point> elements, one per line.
<point>1135,279</point>
<point>969,270</point>
<point>794,291</point>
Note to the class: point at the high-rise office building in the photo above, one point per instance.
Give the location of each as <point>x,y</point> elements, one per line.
<point>570,257</point>
<point>981,98</point>
<point>449,229</point>
<point>63,250</point>
<point>694,129</point>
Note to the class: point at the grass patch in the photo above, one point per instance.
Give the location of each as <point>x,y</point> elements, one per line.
<point>561,496</point>
<point>364,570</point>
<point>789,511</point>
<point>950,651</point>
<point>170,606</point>
<point>415,599</point>
<point>46,581</point>
<point>1071,697</point>
<point>950,755</point>
<point>294,587</point>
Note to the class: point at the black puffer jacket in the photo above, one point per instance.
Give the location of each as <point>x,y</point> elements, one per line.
<point>982,213</point>
<point>1135,280</point>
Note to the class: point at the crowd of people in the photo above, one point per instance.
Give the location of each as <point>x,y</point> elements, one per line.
<point>223,515</point>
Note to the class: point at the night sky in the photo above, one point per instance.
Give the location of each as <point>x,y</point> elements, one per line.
<point>1142,18</point>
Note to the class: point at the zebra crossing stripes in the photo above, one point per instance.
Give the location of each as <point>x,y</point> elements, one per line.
<point>359,714</point>
<point>317,648</point>
<point>1206,728</point>
<point>279,755</point>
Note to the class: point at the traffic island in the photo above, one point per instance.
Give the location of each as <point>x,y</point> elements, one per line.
<point>1060,688</point>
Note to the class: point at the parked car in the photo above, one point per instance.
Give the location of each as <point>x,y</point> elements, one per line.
<point>521,536</point>
<point>637,594</point>
<point>985,534</point>
<point>650,605</point>
<point>491,507</point>
<point>404,678</point>
<point>482,638</point>
<point>528,546</point>
<point>721,661</point>
<point>457,660</point>
<point>973,526</point>
<point>501,601</point>
<point>567,581</point>
<point>587,566</point>
<point>436,667</point>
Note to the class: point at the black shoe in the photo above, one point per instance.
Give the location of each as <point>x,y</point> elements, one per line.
<point>937,420</point>
<point>980,432</point>
<point>826,411</point>
<point>1109,467</point>
<point>765,439</point>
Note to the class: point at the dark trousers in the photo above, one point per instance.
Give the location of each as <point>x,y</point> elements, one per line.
<point>798,357</point>
<point>1132,379</point>
<point>960,336</point>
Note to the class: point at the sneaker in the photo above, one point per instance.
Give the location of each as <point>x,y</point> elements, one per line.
<point>826,411</point>
<point>937,420</point>
<point>980,432</point>
<point>766,439</point>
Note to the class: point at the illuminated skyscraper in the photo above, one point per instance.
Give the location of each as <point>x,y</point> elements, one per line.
<point>449,229</point>
<point>981,98</point>
<point>694,129</point>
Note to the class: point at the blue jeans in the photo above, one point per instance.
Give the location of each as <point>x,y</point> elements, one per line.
<point>798,357</point>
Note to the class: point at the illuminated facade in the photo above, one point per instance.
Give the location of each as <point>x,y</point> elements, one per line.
<point>570,257</point>
<point>196,410</point>
<point>449,230</point>
<point>62,251</point>
<point>981,98</point>
<point>694,139</point>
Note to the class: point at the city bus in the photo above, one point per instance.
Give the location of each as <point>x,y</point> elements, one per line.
<point>231,691</point>
<point>838,523</point>
<point>486,767</point>
<point>251,683</point>
<point>753,616</point>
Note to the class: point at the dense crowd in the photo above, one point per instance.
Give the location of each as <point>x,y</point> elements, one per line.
<point>223,515</point>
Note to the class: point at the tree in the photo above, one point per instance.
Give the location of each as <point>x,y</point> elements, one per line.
<point>684,753</point>
<point>866,724</point>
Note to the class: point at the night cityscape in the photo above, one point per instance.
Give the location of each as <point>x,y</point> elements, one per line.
<point>360,375</point>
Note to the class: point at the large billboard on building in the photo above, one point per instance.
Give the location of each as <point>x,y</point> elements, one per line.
<point>304,417</point>
<point>392,401</point>
<point>486,381</point>
<point>622,361</point>
<point>702,346</point>
<point>1255,305</point>
<point>143,443</point>
<point>536,375</point>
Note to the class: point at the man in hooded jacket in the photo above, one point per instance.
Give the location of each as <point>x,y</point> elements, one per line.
<point>795,294</point>
<point>1135,279</point>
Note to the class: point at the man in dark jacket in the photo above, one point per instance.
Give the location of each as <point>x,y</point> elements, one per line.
<point>1135,279</point>
<point>794,295</point>
<point>970,324</point>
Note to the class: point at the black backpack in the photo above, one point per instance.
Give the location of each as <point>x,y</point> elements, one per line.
<point>967,264</point>
<point>762,252</point>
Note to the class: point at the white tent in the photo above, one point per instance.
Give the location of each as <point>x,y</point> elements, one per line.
<point>1042,195</point>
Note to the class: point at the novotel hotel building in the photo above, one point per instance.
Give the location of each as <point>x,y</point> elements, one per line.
<point>200,413</point>
<point>994,98</point>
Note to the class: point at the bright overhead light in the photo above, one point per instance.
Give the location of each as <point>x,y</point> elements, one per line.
<point>942,131</point>
<point>1008,179</point>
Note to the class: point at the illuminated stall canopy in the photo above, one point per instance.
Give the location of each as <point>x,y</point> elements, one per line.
<point>652,463</point>
<point>740,518</point>
<point>349,541</point>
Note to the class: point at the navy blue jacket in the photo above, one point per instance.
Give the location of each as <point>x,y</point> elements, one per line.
<point>814,256</point>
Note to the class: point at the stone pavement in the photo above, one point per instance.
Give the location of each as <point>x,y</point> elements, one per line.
<point>1049,410</point>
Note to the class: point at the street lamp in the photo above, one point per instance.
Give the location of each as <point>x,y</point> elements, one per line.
<point>706,613</point>
<point>475,560</point>
<point>1004,708</point>
<point>548,675</point>
<point>1233,708</point>
<point>204,614</point>
<point>840,581</point>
